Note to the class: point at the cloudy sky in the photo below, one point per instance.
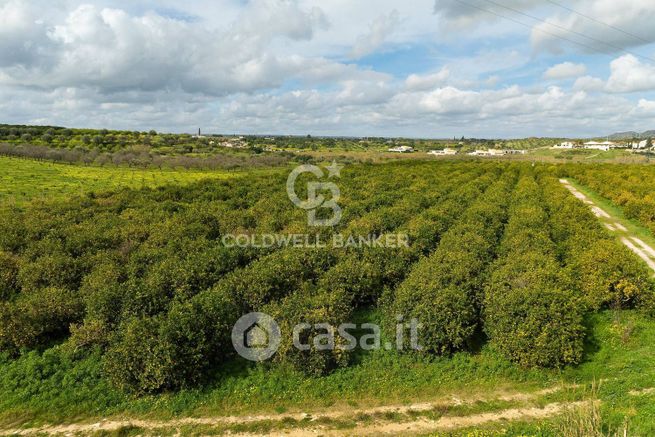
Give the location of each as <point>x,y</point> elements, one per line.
<point>418,68</point>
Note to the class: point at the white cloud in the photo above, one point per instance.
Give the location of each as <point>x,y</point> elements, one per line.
<point>378,32</point>
<point>633,17</point>
<point>358,92</point>
<point>113,50</point>
<point>416,82</point>
<point>566,70</point>
<point>295,66</point>
<point>589,83</point>
<point>628,75</point>
<point>647,105</point>
<point>23,36</point>
<point>459,14</point>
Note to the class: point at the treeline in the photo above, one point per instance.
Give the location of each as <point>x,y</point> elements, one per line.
<point>142,157</point>
<point>105,140</point>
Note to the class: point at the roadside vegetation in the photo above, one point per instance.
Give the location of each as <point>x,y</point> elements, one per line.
<point>632,188</point>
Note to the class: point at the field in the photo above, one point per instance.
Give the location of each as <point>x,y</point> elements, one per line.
<point>117,301</point>
<point>24,180</point>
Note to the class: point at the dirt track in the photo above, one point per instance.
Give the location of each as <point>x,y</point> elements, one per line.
<point>636,245</point>
<point>315,423</point>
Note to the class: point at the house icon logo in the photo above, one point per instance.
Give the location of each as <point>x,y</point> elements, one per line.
<point>256,336</point>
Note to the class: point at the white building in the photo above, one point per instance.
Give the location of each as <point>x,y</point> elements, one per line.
<point>640,145</point>
<point>479,153</point>
<point>564,145</point>
<point>447,151</point>
<point>488,152</point>
<point>402,149</point>
<point>604,146</point>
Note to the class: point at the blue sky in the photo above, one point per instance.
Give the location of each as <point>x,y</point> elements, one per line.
<point>424,68</point>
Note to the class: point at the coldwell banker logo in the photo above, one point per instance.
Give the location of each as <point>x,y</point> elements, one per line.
<point>315,200</point>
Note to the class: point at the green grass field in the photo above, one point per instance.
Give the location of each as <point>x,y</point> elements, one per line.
<point>23,180</point>
<point>622,156</point>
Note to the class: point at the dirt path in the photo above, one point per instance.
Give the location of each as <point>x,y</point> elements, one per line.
<point>424,425</point>
<point>636,245</point>
<point>319,422</point>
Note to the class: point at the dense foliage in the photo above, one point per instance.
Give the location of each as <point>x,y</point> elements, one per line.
<point>141,278</point>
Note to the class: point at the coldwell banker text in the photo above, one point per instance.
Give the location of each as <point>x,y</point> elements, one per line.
<point>391,241</point>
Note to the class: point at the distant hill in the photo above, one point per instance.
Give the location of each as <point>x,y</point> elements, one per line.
<point>631,134</point>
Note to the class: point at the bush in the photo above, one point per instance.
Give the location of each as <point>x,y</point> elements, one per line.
<point>311,307</point>
<point>439,293</point>
<point>8,276</point>
<point>137,362</point>
<point>609,276</point>
<point>175,350</point>
<point>38,317</point>
<point>275,276</point>
<point>56,270</point>
<point>533,326</point>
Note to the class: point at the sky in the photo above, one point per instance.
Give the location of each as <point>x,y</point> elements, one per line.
<point>419,68</point>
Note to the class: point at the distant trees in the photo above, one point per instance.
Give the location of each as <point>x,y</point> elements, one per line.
<point>136,157</point>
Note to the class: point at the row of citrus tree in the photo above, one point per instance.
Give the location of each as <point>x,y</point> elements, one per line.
<point>144,277</point>
<point>497,252</point>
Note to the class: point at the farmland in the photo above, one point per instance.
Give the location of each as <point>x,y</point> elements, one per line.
<point>24,180</point>
<point>120,303</point>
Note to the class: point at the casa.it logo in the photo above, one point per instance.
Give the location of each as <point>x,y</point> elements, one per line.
<point>315,200</point>
<point>256,336</point>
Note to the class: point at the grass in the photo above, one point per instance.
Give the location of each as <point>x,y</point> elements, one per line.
<point>586,156</point>
<point>23,180</point>
<point>44,388</point>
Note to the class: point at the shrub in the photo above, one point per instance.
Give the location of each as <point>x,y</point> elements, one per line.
<point>175,350</point>
<point>103,293</point>
<point>528,312</point>
<point>535,326</point>
<point>609,275</point>
<point>56,270</point>
<point>8,276</point>
<point>439,294</point>
<point>136,362</point>
<point>311,307</point>
<point>38,317</point>
<point>275,276</point>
